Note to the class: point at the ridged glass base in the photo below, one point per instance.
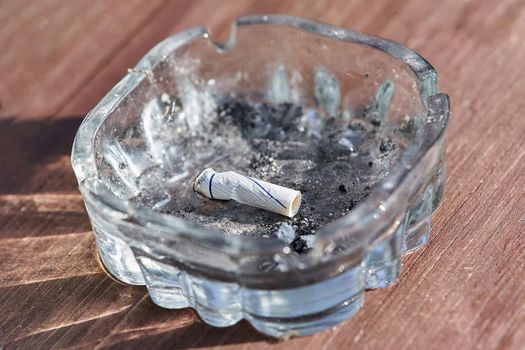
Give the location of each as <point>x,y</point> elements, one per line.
<point>278,313</point>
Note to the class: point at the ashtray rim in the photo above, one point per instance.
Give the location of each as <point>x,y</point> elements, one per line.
<point>83,153</point>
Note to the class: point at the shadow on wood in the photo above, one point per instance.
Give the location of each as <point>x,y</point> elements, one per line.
<point>35,154</point>
<point>53,292</point>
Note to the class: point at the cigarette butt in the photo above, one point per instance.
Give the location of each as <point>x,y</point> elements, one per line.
<point>247,190</point>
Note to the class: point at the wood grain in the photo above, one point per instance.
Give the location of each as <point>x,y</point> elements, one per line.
<point>464,290</point>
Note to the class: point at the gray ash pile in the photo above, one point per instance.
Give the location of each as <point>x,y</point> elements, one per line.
<point>335,163</point>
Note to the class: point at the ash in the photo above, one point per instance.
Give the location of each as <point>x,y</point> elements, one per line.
<point>335,163</point>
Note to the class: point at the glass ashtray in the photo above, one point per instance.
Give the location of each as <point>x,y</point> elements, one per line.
<point>354,122</point>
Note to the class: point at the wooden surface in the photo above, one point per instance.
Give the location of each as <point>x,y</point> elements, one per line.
<point>464,290</point>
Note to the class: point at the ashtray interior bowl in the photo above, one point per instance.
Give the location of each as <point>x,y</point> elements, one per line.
<point>356,123</point>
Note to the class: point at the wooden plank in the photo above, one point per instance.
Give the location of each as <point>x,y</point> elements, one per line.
<point>463,290</point>
<point>51,49</point>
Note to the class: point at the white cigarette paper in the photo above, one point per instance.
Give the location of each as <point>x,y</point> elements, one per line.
<point>247,190</point>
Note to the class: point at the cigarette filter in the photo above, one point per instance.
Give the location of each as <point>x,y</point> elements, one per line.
<point>247,190</point>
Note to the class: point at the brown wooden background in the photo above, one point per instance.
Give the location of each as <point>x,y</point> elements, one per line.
<point>464,290</point>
